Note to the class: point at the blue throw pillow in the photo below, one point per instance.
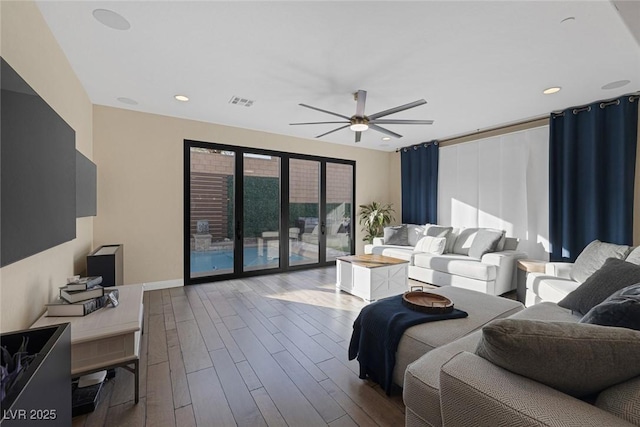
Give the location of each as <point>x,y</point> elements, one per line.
<point>621,309</point>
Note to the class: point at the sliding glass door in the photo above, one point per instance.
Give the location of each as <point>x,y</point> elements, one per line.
<point>261,208</point>
<point>250,211</point>
<point>304,211</point>
<point>211,212</point>
<point>338,212</point>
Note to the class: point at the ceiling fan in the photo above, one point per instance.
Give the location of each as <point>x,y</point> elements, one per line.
<point>360,123</point>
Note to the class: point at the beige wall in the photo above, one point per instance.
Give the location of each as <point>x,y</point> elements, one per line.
<point>30,48</point>
<point>140,182</point>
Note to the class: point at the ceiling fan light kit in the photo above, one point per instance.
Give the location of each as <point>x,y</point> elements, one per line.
<point>359,122</point>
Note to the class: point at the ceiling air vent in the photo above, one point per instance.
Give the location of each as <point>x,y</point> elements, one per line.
<point>243,102</point>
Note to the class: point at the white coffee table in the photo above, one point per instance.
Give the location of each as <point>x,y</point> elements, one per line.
<point>372,277</point>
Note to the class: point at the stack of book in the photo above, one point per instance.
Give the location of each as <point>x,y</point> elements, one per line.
<point>80,298</point>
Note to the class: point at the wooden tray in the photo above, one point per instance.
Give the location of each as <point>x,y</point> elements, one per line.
<point>427,302</point>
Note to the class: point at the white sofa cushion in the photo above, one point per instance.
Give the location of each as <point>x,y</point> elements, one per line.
<point>550,288</point>
<point>432,245</point>
<point>634,256</point>
<point>405,253</point>
<point>458,265</point>
<point>401,252</point>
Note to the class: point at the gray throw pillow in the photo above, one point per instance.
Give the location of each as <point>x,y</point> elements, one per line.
<point>396,235</point>
<point>614,275</point>
<point>593,257</point>
<point>634,256</point>
<point>437,231</point>
<point>415,233</point>
<point>621,309</point>
<point>464,240</point>
<point>576,358</point>
<point>485,241</point>
<point>510,243</point>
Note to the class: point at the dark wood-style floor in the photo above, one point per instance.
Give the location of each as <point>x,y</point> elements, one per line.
<point>269,350</point>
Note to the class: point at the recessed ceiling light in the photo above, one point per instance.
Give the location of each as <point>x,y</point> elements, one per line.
<point>616,85</point>
<point>126,100</point>
<point>550,90</point>
<point>385,138</point>
<point>111,19</point>
<point>182,98</point>
<point>568,19</point>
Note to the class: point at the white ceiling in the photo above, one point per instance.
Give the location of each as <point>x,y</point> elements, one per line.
<point>479,64</point>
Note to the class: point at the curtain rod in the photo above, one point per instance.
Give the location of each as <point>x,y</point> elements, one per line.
<point>603,104</point>
<point>481,132</point>
<point>416,146</point>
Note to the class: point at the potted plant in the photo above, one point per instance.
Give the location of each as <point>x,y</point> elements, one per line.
<point>374,217</point>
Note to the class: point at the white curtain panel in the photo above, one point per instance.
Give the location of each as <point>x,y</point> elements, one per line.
<point>500,182</point>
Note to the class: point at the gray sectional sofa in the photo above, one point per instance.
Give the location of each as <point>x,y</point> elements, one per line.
<point>491,271</point>
<point>453,386</point>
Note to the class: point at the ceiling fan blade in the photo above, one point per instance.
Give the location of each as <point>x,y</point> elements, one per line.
<point>396,109</point>
<point>331,131</point>
<point>317,123</point>
<point>401,122</point>
<point>361,98</point>
<point>385,131</point>
<point>358,136</point>
<point>324,111</point>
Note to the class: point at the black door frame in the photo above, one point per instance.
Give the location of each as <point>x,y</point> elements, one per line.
<point>239,210</point>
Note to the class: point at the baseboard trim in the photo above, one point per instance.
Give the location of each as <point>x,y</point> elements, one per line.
<point>164,284</point>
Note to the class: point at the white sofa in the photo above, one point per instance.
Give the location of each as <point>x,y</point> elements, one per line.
<point>561,278</point>
<point>493,273</point>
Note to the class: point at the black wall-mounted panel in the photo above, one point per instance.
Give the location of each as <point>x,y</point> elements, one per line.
<point>85,186</point>
<point>37,172</point>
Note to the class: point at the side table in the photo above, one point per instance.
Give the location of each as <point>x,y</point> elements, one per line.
<point>106,338</point>
<point>527,266</point>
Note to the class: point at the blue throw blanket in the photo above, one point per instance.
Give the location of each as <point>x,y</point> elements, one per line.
<point>377,331</point>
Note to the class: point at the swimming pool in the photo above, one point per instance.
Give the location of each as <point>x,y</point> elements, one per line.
<point>215,261</point>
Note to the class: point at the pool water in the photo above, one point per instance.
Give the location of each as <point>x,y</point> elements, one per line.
<point>204,261</point>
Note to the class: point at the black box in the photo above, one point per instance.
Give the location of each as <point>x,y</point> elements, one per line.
<point>85,399</point>
<point>107,261</point>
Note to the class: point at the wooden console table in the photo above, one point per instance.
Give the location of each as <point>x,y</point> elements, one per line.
<point>107,338</point>
<point>526,266</point>
<point>372,277</point>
